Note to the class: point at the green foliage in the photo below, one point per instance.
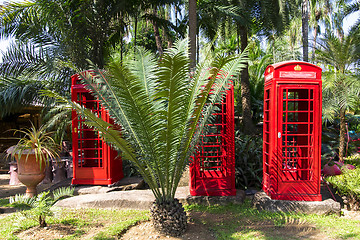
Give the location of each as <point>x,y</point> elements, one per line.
<point>57,119</point>
<point>353,160</point>
<point>38,207</point>
<point>4,202</point>
<point>348,185</point>
<point>161,109</point>
<point>248,161</point>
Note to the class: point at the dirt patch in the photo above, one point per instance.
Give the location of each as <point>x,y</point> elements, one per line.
<point>291,229</point>
<point>146,231</point>
<point>54,231</point>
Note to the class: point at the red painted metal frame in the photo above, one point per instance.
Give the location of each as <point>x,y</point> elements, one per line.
<point>212,169</point>
<point>292,131</point>
<point>94,162</point>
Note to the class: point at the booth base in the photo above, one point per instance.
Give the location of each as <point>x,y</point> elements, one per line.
<point>212,192</point>
<point>295,197</point>
<point>262,201</point>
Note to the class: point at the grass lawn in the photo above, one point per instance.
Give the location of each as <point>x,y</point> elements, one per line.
<point>244,222</point>
<point>222,222</point>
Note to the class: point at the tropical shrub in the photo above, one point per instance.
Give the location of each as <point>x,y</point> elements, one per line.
<point>248,161</point>
<point>348,185</point>
<point>162,110</point>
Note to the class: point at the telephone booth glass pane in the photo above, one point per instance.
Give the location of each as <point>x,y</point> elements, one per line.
<point>212,145</point>
<point>89,142</point>
<point>297,137</point>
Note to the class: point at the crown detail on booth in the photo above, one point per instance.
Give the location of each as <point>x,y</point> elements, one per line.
<point>297,68</point>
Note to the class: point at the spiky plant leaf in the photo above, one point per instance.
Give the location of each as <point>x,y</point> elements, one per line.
<point>22,202</point>
<point>61,193</point>
<point>161,113</point>
<point>35,141</point>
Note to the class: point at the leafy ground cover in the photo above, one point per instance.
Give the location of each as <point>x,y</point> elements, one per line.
<point>216,222</point>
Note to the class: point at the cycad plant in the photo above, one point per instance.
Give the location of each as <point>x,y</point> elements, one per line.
<point>161,109</point>
<point>39,207</point>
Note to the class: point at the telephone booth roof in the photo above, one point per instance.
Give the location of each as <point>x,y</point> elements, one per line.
<point>296,70</point>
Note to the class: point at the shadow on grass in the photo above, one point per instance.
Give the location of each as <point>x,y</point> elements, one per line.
<point>244,222</point>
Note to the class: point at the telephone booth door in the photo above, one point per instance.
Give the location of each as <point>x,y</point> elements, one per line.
<point>298,114</point>
<point>94,162</point>
<point>212,170</point>
<point>292,131</point>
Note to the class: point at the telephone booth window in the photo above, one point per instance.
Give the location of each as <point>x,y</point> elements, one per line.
<point>212,169</point>
<point>94,162</point>
<point>292,131</point>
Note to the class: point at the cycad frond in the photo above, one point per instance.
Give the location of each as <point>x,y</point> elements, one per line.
<point>162,113</point>
<point>22,202</point>
<point>63,192</point>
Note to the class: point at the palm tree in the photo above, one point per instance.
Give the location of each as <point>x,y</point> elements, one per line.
<point>350,8</point>
<point>318,10</point>
<point>162,111</point>
<point>77,28</point>
<point>341,85</point>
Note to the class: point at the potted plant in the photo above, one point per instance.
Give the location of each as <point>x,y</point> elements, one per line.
<point>32,153</point>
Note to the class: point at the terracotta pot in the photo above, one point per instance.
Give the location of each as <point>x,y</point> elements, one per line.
<point>30,173</point>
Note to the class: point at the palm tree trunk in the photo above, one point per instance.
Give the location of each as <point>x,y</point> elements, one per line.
<point>192,32</point>
<point>135,33</point>
<point>42,222</point>
<point>157,33</point>
<point>342,140</point>
<point>305,29</point>
<point>167,35</point>
<point>248,125</point>
<point>315,39</point>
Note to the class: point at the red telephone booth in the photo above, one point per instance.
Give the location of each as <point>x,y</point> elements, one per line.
<point>94,162</point>
<point>292,131</point>
<point>212,170</point>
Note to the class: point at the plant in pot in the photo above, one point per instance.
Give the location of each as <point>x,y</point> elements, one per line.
<point>32,153</point>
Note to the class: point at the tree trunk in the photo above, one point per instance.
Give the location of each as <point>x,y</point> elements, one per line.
<point>342,141</point>
<point>157,33</point>
<point>192,33</point>
<point>121,49</point>
<point>248,125</point>
<point>314,45</point>
<point>42,222</point>
<point>135,33</point>
<point>168,37</point>
<point>305,29</point>
<point>169,218</point>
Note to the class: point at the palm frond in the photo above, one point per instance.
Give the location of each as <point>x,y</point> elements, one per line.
<point>161,113</point>
<point>22,202</point>
<point>61,193</point>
